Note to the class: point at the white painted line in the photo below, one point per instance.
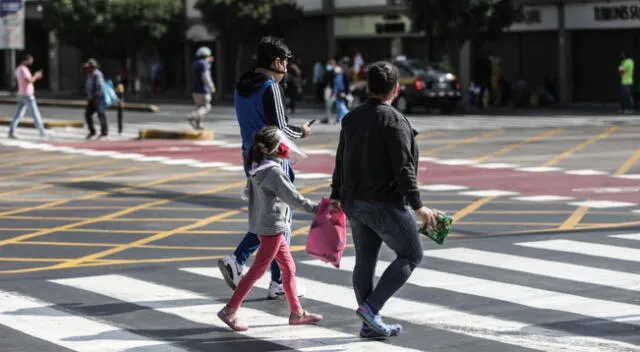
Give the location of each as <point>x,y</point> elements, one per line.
<point>488,193</point>
<point>232,145</point>
<point>602,204</point>
<point>496,166</point>
<point>543,198</point>
<point>100,152</point>
<point>539,169</point>
<point>444,318</point>
<point>441,317</point>
<point>179,161</point>
<point>320,152</point>
<point>629,177</point>
<point>201,309</point>
<point>312,176</point>
<point>152,158</point>
<point>635,236</point>
<point>209,143</point>
<point>515,294</point>
<point>126,156</point>
<point>455,162</point>
<point>586,248</point>
<point>209,165</point>
<point>442,188</point>
<point>40,320</point>
<point>428,159</point>
<point>232,168</point>
<point>586,172</point>
<point>548,268</point>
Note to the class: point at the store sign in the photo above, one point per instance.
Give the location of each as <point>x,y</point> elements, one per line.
<point>535,18</point>
<point>605,15</point>
<point>12,24</point>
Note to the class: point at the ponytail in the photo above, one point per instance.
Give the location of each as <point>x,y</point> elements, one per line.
<point>265,142</point>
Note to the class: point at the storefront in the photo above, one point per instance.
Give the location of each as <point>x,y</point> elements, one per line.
<point>600,31</point>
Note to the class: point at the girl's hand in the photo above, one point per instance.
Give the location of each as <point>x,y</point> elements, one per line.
<point>335,205</point>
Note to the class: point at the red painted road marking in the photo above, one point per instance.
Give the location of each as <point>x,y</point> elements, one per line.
<point>525,183</point>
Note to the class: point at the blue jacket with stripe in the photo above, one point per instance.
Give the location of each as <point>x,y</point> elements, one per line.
<point>259,102</point>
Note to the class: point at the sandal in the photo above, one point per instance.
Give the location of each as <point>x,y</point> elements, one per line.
<point>304,318</point>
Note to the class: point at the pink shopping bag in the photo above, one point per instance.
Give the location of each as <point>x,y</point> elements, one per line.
<point>328,234</point>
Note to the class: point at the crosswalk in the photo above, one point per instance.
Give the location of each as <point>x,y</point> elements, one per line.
<point>578,295</point>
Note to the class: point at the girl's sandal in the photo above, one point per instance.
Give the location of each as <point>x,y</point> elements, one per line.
<point>232,320</point>
<point>304,318</point>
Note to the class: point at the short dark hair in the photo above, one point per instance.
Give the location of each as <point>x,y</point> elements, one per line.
<point>26,57</point>
<point>382,77</point>
<point>269,49</point>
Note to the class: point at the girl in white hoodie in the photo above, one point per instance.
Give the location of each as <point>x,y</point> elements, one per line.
<point>269,191</point>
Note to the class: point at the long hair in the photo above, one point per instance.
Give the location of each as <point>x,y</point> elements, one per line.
<point>265,143</point>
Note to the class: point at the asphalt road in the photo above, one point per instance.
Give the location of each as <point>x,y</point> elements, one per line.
<point>111,245</point>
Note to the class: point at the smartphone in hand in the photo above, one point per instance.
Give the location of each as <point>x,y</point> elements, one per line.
<point>311,122</point>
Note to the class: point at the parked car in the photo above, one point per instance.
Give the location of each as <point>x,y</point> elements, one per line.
<point>421,84</point>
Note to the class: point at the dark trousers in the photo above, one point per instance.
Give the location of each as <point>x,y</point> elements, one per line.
<point>93,106</point>
<point>371,225</point>
<point>626,96</point>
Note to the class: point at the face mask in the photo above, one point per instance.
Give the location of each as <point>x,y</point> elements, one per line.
<point>284,151</point>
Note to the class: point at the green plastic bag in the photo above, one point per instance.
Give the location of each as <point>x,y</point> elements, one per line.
<point>438,233</point>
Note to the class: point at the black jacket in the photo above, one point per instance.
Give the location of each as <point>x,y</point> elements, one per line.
<point>377,158</point>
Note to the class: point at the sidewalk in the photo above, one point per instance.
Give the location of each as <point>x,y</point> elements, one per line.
<point>140,103</point>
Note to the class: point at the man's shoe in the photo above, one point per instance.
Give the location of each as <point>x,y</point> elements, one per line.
<point>276,290</point>
<point>368,333</point>
<point>90,136</point>
<point>374,321</point>
<point>12,135</point>
<point>231,270</point>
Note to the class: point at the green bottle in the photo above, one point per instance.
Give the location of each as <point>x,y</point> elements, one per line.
<point>438,232</point>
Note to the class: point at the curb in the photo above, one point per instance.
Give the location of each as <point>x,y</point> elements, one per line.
<point>204,135</point>
<point>6,121</point>
<point>81,104</point>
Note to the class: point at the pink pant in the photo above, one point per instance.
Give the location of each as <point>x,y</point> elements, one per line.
<point>270,247</point>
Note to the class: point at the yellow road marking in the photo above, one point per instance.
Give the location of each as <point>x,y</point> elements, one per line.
<point>514,146</point>
<point>31,260</point>
<point>463,142</point>
<point>57,169</point>
<point>423,136</point>
<point>574,219</point>
<point>38,160</point>
<point>12,154</point>
<point>472,207</point>
<point>577,148</point>
<point>122,212</point>
<point>99,194</point>
<point>628,164</point>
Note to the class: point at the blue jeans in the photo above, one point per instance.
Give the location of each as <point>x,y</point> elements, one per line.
<point>341,109</point>
<point>250,242</point>
<point>27,102</point>
<point>626,96</point>
<point>371,225</point>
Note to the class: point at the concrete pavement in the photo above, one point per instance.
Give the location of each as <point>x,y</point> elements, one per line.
<point>111,246</point>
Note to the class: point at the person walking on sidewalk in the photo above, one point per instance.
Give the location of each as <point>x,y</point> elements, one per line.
<point>94,88</point>
<point>270,191</point>
<point>26,96</point>
<point>259,102</point>
<point>203,87</point>
<point>373,180</point>
<point>626,83</point>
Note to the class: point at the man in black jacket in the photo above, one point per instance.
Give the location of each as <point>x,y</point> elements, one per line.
<point>373,181</point>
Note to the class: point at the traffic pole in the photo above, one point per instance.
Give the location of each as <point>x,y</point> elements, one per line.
<point>120,94</point>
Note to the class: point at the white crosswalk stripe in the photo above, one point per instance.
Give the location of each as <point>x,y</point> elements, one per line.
<point>537,295</point>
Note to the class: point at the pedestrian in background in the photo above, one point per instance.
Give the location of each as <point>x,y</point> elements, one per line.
<point>202,88</point>
<point>374,179</point>
<point>26,96</point>
<point>625,70</point>
<point>94,88</point>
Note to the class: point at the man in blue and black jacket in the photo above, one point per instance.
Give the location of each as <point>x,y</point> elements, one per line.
<point>259,101</point>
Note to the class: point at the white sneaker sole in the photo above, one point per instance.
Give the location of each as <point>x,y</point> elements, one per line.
<point>226,274</point>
